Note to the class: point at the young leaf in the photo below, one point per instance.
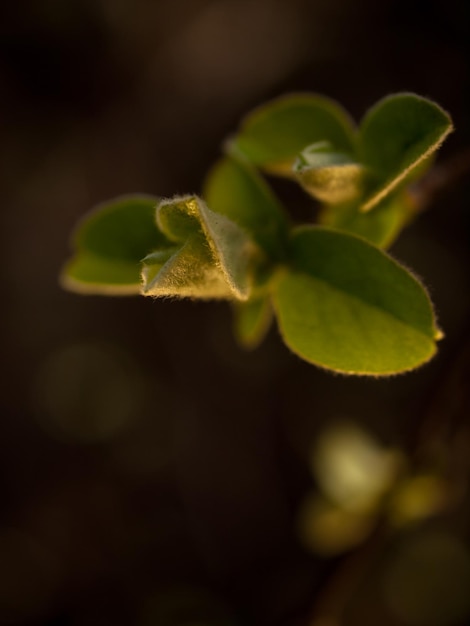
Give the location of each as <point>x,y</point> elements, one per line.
<point>272,136</point>
<point>190,272</point>
<point>109,244</point>
<point>329,176</point>
<point>252,320</point>
<point>347,306</point>
<point>381,226</point>
<point>237,191</point>
<point>398,135</point>
<point>212,258</point>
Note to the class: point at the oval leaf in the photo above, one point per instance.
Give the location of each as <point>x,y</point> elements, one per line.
<point>347,306</point>
<point>109,244</point>
<point>398,135</point>
<point>273,135</point>
<point>237,191</point>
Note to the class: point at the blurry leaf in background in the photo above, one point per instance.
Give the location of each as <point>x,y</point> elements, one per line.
<point>426,580</point>
<point>417,498</point>
<point>352,469</point>
<point>353,472</point>
<point>274,134</point>
<point>328,529</point>
<point>398,136</point>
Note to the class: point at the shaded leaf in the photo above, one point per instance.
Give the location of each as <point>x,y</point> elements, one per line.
<point>109,244</point>
<point>346,306</point>
<point>89,273</point>
<point>237,191</point>
<point>272,135</point>
<point>329,176</point>
<point>252,320</point>
<point>381,226</point>
<point>398,135</point>
<point>212,259</point>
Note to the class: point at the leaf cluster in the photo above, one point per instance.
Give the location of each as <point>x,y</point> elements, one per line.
<point>341,302</point>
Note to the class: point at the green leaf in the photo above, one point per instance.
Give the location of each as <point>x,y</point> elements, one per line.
<point>329,176</point>
<point>273,135</point>
<point>237,191</point>
<point>252,320</point>
<point>109,244</point>
<point>213,257</point>
<point>380,226</point>
<point>88,273</point>
<point>347,306</point>
<point>398,136</point>
<point>190,272</point>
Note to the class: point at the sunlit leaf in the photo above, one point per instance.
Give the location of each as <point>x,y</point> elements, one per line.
<point>211,259</point>
<point>109,244</point>
<point>345,305</point>
<point>329,176</point>
<point>398,135</point>
<point>273,135</point>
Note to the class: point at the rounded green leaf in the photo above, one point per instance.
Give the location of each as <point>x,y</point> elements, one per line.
<point>347,306</point>
<point>237,191</point>
<point>397,136</point>
<point>109,244</point>
<point>272,135</point>
<point>88,273</point>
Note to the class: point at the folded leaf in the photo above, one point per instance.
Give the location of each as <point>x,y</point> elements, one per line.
<point>398,135</point>
<point>109,244</point>
<point>237,191</point>
<point>347,306</point>
<point>212,258</point>
<point>329,176</point>
<point>273,135</point>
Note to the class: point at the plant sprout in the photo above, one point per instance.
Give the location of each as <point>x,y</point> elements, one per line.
<point>340,301</point>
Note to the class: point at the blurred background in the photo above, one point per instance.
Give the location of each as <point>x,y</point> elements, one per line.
<point>151,472</point>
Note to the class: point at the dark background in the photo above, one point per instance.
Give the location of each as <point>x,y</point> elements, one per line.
<point>150,471</point>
